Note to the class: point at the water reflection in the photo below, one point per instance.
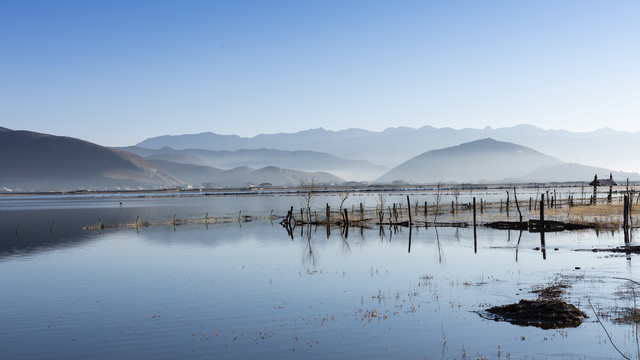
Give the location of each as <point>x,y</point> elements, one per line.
<point>518,245</point>
<point>226,284</point>
<point>309,257</point>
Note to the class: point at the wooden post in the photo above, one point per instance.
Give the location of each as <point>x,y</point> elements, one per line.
<point>346,218</point>
<point>453,208</point>
<point>395,212</point>
<point>542,212</point>
<point>474,217</point>
<point>515,198</point>
<point>409,250</point>
<point>481,207</point>
<point>629,213</point>
<point>361,212</point>
<point>611,189</point>
<point>542,240</point>
<point>530,203</point>
<point>625,221</point>
<point>425,211</point>
<point>409,210</point>
<point>507,204</point>
<point>328,215</point>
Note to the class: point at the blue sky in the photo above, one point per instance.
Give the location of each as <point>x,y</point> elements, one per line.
<point>117,72</point>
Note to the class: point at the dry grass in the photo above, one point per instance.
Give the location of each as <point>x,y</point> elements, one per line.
<point>602,215</point>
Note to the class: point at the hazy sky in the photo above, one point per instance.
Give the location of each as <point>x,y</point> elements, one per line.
<point>117,72</point>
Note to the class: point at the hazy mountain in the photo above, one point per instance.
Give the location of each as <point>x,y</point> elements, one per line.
<point>485,160</point>
<point>33,161</point>
<point>180,158</point>
<point>604,147</point>
<point>288,141</point>
<point>303,160</point>
<point>279,176</point>
<point>575,172</point>
<point>191,174</point>
<point>243,176</point>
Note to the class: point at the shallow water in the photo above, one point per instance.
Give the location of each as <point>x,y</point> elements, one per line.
<point>249,290</point>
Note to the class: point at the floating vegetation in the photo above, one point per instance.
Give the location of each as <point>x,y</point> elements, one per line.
<point>551,292</point>
<point>548,311</point>
<point>542,313</point>
<point>629,249</point>
<point>176,222</point>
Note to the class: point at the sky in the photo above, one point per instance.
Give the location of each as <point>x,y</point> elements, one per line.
<point>117,72</point>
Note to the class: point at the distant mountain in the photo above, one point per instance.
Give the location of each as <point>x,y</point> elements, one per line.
<point>32,161</point>
<point>279,176</point>
<point>179,158</point>
<point>283,141</point>
<point>190,174</point>
<point>485,160</point>
<point>391,147</point>
<point>303,160</point>
<point>243,176</point>
<point>575,172</point>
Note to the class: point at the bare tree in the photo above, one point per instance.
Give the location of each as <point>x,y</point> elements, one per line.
<point>382,199</point>
<point>456,194</point>
<point>309,189</point>
<point>438,196</point>
<point>343,194</point>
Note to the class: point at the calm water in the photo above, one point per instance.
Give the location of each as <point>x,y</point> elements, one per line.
<point>249,291</point>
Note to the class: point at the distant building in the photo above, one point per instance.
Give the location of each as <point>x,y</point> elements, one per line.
<point>602,182</point>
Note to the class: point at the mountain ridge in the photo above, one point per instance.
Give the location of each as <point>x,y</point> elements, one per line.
<point>603,147</point>
<point>32,160</point>
<point>303,160</point>
<point>486,160</point>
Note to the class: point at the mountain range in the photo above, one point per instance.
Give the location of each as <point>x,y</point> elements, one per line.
<point>491,161</point>
<point>302,160</point>
<point>605,148</point>
<point>32,161</point>
<point>243,176</point>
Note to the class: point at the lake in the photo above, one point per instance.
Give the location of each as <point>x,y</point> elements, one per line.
<point>250,290</point>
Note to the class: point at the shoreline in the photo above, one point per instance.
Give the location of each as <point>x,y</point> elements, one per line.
<point>374,188</point>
